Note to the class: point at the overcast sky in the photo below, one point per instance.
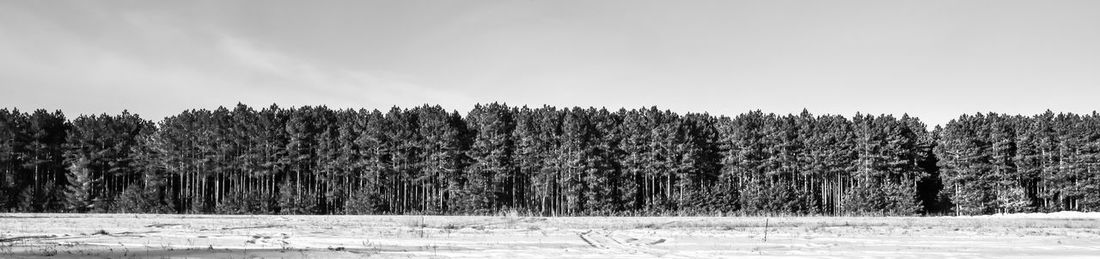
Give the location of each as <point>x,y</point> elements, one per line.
<point>931,59</point>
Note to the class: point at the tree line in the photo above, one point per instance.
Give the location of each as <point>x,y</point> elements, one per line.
<point>1000,163</point>
<point>545,161</point>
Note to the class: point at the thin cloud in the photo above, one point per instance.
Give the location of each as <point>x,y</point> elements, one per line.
<point>355,88</point>
<point>166,65</point>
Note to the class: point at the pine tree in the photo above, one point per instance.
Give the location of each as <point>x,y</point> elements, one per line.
<point>404,152</point>
<point>746,159</point>
<point>537,138</point>
<point>604,175</point>
<point>78,196</point>
<point>42,158</point>
<point>12,137</point>
<point>575,161</point>
<point>528,160</point>
<point>441,157</point>
<point>373,145</point>
<point>635,160</point>
<point>1007,183</point>
<point>966,161</point>
<point>487,180</point>
<point>301,145</point>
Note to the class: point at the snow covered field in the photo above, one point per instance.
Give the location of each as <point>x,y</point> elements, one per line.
<point>222,236</point>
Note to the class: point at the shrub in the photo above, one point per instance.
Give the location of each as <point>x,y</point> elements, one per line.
<point>135,199</point>
<point>364,201</point>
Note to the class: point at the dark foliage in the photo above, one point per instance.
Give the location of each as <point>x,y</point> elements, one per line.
<point>545,161</point>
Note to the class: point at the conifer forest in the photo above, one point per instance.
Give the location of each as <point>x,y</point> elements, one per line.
<point>545,161</point>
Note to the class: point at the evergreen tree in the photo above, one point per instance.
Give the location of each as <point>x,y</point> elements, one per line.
<point>635,160</point>
<point>372,141</point>
<point>574,161</point>
<point>441,158</point>
<point>42,159</point>
<point>488,184</point>
<point>78,196</point>
<point>13,126</point>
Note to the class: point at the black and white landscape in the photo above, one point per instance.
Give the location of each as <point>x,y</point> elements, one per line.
<point>549,129</point>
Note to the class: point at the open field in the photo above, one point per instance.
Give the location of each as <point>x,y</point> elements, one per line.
<point>223,236</point>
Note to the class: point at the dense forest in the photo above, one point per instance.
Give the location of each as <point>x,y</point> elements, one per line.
<point>545,161</point>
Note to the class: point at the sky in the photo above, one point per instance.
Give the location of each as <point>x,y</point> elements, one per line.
<point>932,59</point>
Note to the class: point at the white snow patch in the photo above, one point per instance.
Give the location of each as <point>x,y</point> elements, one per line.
<point>1052,215</point>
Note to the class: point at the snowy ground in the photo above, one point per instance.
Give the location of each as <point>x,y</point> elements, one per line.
<point>220,236</point>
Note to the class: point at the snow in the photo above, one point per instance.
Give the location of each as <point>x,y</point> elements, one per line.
<point>1052,215</point>
<point>1037,235</point>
